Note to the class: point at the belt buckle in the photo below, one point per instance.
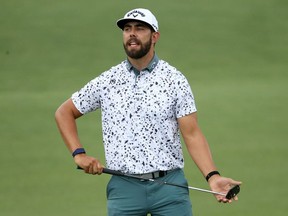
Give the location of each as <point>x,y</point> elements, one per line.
<point>162,173</point>
<point>153,175</point>
<point>159,174</point>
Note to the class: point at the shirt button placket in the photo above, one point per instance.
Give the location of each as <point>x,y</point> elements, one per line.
<point>137,104</point>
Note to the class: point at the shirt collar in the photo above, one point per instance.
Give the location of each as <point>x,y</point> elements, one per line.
<point>149,68</point>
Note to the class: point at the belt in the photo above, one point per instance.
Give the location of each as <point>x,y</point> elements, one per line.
<point>153,175</point>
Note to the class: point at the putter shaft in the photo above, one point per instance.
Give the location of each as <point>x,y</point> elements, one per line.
<point>188,187</point>
<point>232,193</point>
<point>206,191</point>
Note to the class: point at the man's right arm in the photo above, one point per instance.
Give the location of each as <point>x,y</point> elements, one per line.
<point>65,117</point>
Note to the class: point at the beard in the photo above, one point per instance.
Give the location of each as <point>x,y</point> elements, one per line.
<point>137,54</point>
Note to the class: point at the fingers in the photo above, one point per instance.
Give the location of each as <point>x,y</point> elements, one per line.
<point>227,199</point>
<point>225,185</point>
<point>94,167</point>
<point>233,182</point>
<point>89,164</point>
<point>224,200</point>
<point>235,198</point>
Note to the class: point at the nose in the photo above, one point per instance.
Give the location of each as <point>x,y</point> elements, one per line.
<point>132,33</point>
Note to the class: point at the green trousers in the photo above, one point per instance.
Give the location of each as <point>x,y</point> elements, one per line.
<point>132,197</point>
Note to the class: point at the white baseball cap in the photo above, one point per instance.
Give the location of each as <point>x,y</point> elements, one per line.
<point>139,14</point>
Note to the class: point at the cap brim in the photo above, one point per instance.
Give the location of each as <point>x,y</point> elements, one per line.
<point>121,22</point>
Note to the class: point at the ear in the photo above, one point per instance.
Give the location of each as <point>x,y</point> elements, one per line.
<point>155,37</point>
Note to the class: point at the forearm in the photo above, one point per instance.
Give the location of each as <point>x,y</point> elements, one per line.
<point>196,143</point>
<point>199,151</point>
<point>66,116</point>
<point>66,122</point>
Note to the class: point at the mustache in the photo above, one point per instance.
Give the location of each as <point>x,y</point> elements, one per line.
<point>133,40</point>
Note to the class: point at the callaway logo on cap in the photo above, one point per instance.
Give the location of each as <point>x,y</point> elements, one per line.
<point>139,14</point>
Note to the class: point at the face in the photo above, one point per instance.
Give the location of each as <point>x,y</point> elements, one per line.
<point>137,39</point>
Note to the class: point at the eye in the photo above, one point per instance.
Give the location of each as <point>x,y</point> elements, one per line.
<point>140,28</point>
<point>126,28</point>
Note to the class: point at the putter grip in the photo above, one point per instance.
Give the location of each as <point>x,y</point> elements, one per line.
<point>233,192</point>
<point>108,171</point>
<point>112,172</point>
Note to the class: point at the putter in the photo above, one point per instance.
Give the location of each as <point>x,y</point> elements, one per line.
<point>231,193</point>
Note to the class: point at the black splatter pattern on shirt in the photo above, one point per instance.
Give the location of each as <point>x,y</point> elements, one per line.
<point>139,116</point>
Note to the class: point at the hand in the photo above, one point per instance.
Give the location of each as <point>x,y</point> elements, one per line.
<point>223,185</point>
<point>89,164</point>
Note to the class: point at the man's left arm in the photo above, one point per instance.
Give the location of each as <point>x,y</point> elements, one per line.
<point>199,151</point>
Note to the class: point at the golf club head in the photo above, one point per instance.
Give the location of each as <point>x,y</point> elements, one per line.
<point>233,192</point>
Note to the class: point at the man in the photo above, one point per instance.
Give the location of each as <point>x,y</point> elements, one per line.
<point>144,102</point>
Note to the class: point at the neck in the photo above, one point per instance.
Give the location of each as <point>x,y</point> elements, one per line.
<point>143,62</point>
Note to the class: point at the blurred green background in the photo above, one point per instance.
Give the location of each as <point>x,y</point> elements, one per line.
<point>234,54</point>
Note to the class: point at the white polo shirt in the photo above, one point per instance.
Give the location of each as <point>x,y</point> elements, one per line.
<point>139,115</point>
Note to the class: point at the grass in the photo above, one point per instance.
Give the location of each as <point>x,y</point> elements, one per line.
<point>234,54</point>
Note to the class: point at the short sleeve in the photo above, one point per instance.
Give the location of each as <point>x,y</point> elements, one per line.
<point>87,99</point>
<point>185,103</point>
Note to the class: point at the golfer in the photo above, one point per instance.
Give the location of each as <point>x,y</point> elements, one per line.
<point>145,104</point>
